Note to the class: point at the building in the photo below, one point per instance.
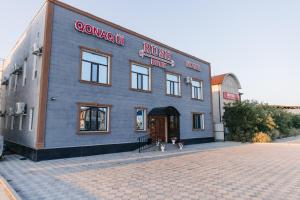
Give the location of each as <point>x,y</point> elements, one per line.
<point>79,85</point>
<point>290,109</point>
<point>225,89</point>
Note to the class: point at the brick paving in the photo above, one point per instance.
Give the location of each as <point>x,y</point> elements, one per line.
<point>251,171</point>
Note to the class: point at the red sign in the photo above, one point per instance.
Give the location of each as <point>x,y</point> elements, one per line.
<point>231,96</point>
<point>193,66</point>
<point>99,33</point>
<point>158,57</point>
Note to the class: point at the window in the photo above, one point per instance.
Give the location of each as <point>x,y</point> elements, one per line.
<point>16,83</point>
<point>10,84</point>
<point>197,91</point>
<point>198,121</point>
<point>95,68</point>
<point>24,72</point>
<point>173,84</point>
<point>141,119</point>
<point>6,121</point>
<point>31,117</point>
<point>34,68</point>
<point>94,118</point>
<point>140,77</point>
<point>12,122</point>
<point>21,123</point>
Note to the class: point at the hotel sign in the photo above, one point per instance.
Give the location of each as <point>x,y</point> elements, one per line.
<point>158,57</point>
<point>193,66</point>
<point>231,96</point>
<point>99,33</point>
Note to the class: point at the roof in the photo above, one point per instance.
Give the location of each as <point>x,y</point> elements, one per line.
<point>286,107</point>
<point>218,79</point>
<point>164,111</point>
<point>121,28</point>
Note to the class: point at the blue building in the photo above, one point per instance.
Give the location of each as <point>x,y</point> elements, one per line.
<point>77,85</point>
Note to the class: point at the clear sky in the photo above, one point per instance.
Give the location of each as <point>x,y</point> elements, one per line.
<point>257,40</point>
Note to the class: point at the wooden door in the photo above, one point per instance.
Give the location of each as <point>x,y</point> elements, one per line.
<point>157,128</point>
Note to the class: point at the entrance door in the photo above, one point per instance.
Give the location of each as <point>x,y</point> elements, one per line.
<point>157,128</point>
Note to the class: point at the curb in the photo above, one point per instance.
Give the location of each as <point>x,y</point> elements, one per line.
<point>8,190</point>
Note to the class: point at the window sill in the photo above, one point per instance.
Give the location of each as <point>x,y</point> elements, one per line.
<point>171,95</point>
<point>198,129</point>
<point>197,99</point>
<point>93,132</point>
<point>137,90</point>
<point>95,83</point>
<point>141,131</point>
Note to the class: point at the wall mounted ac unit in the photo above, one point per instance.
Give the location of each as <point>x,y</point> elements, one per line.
<point>20,108</point>
<point>188,80</point>
<point>36,50</point>
<point>10,111</point>
<point>4,81</point>
<point>17,69</point>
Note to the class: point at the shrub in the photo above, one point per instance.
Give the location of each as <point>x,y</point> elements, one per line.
<point>261,137</point>
<point>274,134</point>
<point>296,121</point>
<point>294,132</point>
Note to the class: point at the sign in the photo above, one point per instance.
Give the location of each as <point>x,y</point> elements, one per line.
<point>231,96</point>
<point>99,33</point>
<point>193,66</point>
<point>158,57</point>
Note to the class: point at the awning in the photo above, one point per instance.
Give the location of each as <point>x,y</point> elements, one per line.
<point>164,111</point>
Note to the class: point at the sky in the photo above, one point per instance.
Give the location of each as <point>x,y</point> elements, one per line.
<point>257,40</point>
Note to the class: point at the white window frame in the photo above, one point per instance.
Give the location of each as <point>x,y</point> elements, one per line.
<point>143,75</point>
<point>202,118</point>
<point>21,122</point>
<point>34,67</point>
<point>179,84</point>
<point>108,74</point>
<point>24,73</point>
<point>12,120</point>
<point>31,119</point>
<point>6,121</point>
<point>200,97</point>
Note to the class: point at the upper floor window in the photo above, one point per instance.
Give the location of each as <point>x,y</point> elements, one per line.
<point>173,84</point>
<point>141,119</point>
<point>197,91</point>
<point>140,77</point>
<point>94,118</point>
<point>198,121</point>
<point>95,68</point>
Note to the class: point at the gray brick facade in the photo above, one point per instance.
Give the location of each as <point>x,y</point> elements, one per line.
<point>64,85</point>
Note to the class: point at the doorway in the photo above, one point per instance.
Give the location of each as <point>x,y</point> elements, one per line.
<point>164,124</point>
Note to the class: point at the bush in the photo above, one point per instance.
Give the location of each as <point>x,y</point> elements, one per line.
<point>294,132</point>
<point>261,137</point>
<point>243,119</point>
<point>274,134</point>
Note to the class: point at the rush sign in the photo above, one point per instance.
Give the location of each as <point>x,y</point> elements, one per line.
<point>99,33</point>
<point>158,57</point>
<point>231,96</point>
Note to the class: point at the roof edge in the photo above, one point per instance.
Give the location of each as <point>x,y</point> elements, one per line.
<point>121,28</point>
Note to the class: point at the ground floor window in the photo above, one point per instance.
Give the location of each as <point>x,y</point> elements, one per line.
<point>198,121</point>
<point>141,114</point>
<point>94,118</point>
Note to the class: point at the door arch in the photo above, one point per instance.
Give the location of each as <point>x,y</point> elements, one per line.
<point>164,123</point>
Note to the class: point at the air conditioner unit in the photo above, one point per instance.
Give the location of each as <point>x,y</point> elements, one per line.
<point>20,108</point>
<point>4,81</point>
<point>188,80</point>
<point>10,111</point>
<point>17,69</point>
<point>36,50</point>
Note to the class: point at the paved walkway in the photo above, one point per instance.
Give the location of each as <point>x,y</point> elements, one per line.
<point>207,171</point>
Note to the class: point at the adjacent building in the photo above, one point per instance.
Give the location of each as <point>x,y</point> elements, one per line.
<point>77,85</point>
<point>225,89</point>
